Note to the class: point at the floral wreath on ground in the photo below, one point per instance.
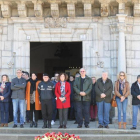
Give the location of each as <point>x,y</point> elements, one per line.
<point>58,136</point>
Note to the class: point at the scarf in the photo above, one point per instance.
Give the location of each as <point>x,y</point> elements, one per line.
<point>122,84</point>
<point>62,88</point>
<point>33,85</point>
<point>2,87</point>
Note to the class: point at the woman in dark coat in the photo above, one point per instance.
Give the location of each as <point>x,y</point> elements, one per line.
<point>5,90</point>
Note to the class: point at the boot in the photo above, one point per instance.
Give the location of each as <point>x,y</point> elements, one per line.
<point>36,124</point>
<point>31,124</point>
<point>45,125</point>
<point>2,125</point>
<point>119,125</point>
<point>124,125</point>
<point>49,124</point>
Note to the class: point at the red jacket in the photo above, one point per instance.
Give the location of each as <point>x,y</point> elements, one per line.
<point>59,104</point>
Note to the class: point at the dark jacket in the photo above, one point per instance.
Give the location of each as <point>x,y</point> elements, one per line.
<point>93,95</point>
<point>135,91</point>
<point>87,87</point>
<point>106,88</point>
<point>18,88</point>
<point>46,90</point>
<point>72,91</point>
<point>6,93</point>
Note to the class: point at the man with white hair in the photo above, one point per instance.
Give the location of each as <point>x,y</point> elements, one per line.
<point>82,88</point>
<point>103,89</point>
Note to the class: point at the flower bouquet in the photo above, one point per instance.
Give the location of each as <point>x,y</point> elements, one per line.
<point>58,136</point>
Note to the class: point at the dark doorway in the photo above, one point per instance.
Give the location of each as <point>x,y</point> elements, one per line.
<point>51,57</point>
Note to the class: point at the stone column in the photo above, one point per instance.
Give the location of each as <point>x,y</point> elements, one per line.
<point>104,7</point>
<point>121,46</point>
<point>121,6</point>
<point>136,9</point>
<point>88,7</point>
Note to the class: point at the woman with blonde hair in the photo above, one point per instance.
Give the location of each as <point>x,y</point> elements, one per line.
<point>5,90</point>
<point>122,91</point>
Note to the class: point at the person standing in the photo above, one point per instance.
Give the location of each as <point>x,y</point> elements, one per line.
<point>18,85</point>
<point>103,89</point>
<point>122,91</point>
<point>135,91</point>
<point>82,88</point>
<point>93,106</point>
<point>46,94</point>
<point>62,92</point>
<point>54,100</point>
<point>5,91</point>
<point>72,114</point>
<point>32,99</point>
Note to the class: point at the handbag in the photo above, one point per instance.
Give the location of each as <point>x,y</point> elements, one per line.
<point>113,101</point>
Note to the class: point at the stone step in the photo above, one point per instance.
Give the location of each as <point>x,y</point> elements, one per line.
<point>39,131</point>
<point>82,136</point>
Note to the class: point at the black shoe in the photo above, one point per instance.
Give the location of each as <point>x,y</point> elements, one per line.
<point>133,128</point>
<point>79,126</point>
<point>35,124</point>
<point>21,126</point>
<point>107,126</point>
<point>61,126</point>
<point>49,124</point>
<point>91,120</point>
<point>75,122</point>
<point>100,126</point>
<point>45,125</point>
<point>14,126</point>
<point>64,126</point>
<point>86,126</point>
<point>31,124</point>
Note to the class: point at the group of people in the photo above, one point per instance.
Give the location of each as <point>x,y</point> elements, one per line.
<point>84,96</point>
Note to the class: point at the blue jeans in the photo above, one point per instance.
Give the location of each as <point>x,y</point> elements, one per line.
<point>83,112</point>
<point>4,112</point>
<point>135,114</point>
<point>103,112</point>
<point>17,103</point>
<point>122,106</point>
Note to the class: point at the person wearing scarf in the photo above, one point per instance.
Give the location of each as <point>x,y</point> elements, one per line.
<point>32,99</point>
<point>62,92</point>
<point>122,91</point>
<point>5,90</point>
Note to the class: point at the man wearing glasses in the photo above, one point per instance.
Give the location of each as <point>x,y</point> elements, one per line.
<point>18,85</point>
<point>82,88</point>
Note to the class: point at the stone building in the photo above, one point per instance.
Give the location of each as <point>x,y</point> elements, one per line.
<point>107,30</point>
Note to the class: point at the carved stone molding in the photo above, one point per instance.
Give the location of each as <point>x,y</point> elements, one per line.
<point>38,8</point>
<point>55,23</point>
<point>55,10</point>
<point>6,9</point>
<point>136,9</point>
<point>104,7</point>
<point>71,9</point>
<point>87,10</point>
<point>22,9</point>
<point>121,6</point>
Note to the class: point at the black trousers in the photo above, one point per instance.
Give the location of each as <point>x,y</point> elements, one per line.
<point>47,109</point>
<point>83,111</point>
<point>63,116</point>
<point>32,110</point>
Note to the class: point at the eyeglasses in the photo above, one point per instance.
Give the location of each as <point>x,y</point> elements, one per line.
<point>82,71</point>
<point>122,75</point>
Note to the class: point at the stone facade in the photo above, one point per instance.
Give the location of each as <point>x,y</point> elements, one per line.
<point>109,31</point>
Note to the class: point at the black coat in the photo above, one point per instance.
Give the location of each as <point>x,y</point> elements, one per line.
<point>72,91</point>
<point>93,95</point>
<point>135,91</point>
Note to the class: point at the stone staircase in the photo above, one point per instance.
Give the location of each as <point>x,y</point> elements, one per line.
<point>92,133</point>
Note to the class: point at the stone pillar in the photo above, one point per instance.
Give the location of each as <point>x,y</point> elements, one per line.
<point>121,46</point>
<point>104,7</point>
<point>38,8</point>
<point>121,6</point>
<point>136,9</point>
<point>6,9</point>
<point>88,7</point>
<point>22,9</point>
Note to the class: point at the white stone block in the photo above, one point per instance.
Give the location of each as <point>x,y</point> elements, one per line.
<point>137,54</point>
<point>130,54</point>
<point>5,61</point>
<point>136,30</point>
<point>6,53</point>
<point>8,45</point>
<point>4,30</point>
<point>136,45</point>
